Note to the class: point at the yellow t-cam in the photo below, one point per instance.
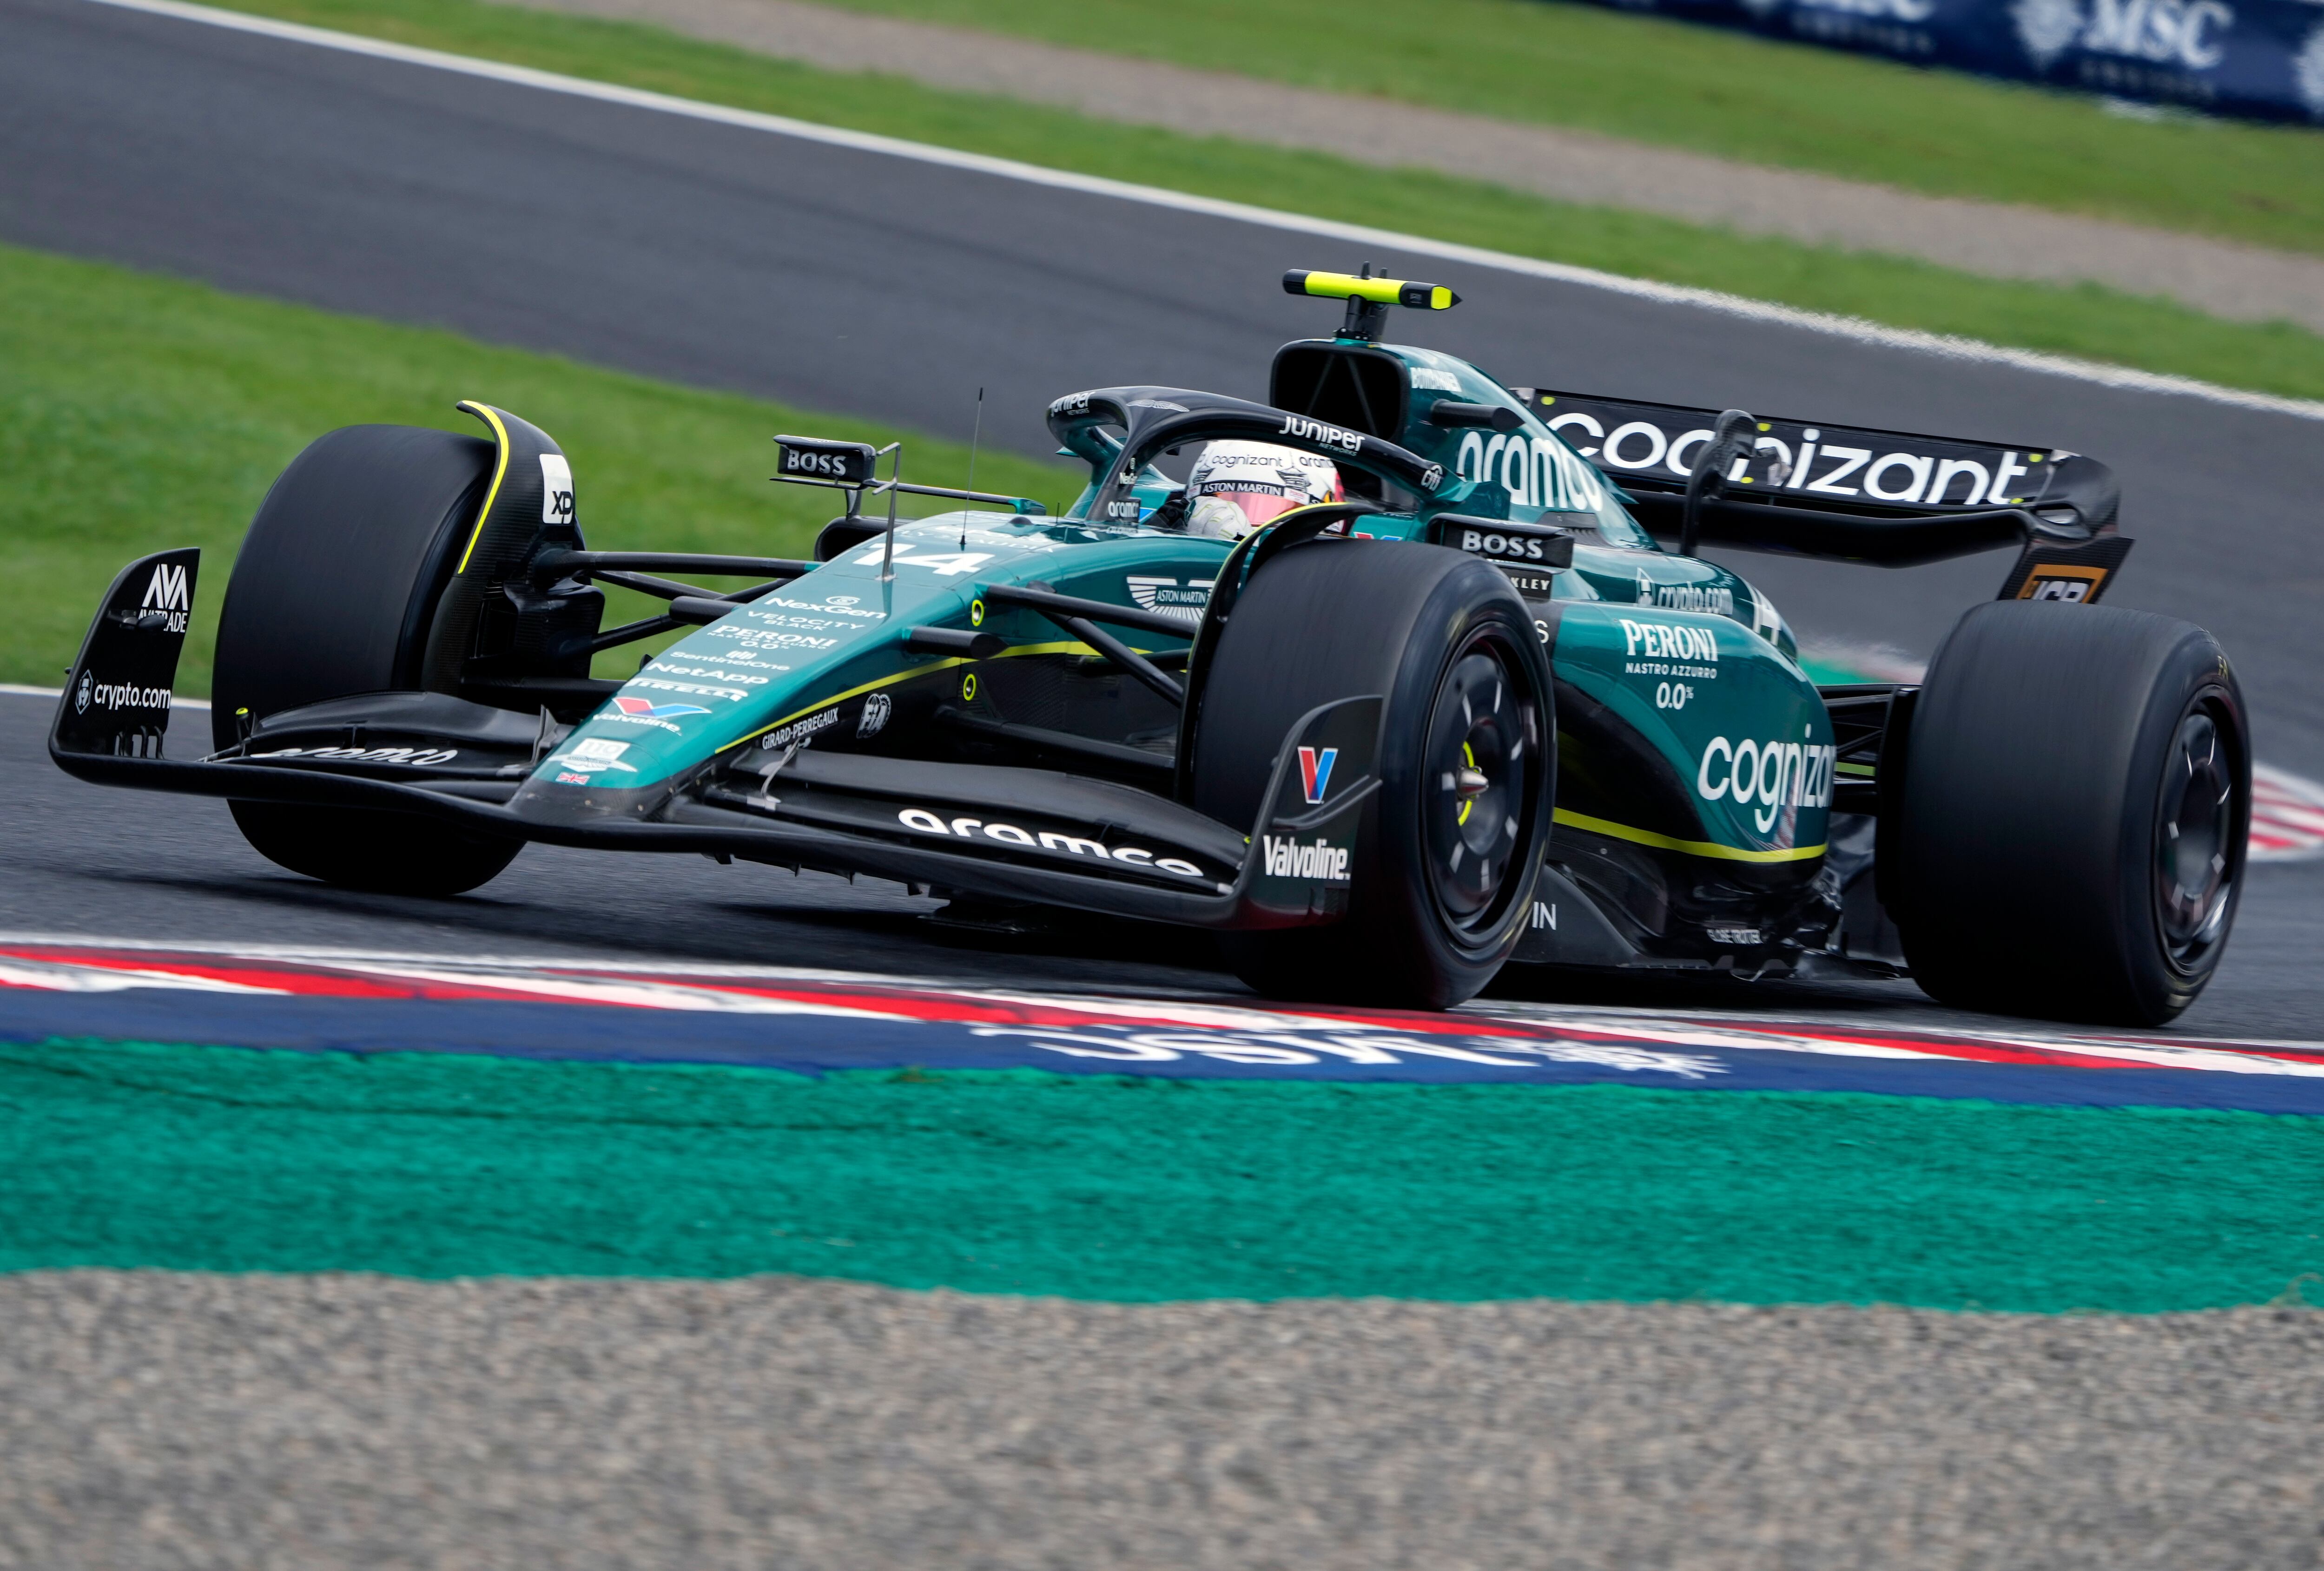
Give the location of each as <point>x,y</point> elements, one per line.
<point>1377,292</point>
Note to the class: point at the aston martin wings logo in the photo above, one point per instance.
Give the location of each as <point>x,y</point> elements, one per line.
<point>1185,599</point>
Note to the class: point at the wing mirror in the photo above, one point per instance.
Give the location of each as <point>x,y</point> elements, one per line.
<point>1459,416</point>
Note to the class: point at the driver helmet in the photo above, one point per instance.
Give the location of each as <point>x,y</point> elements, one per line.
<point>1237,486</point>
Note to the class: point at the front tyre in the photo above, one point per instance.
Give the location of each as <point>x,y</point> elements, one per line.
<point>2076,806</point>
<point>1445,861</point>
<point>334,592</point>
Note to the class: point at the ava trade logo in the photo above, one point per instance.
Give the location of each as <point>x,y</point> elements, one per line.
<point>1315,771</point>
<point>642,710</point>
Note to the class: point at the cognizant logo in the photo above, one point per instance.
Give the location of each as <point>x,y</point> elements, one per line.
<point>1771,774</point>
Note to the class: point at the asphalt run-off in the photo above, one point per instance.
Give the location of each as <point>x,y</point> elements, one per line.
<point>817,1023</point>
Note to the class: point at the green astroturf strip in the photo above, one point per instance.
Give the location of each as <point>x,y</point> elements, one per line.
<point>2085,320</point>
<point>139,412</point>
<point>208,1158</point>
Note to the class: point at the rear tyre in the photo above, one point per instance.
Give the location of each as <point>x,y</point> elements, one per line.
<point>333,593</point>
<point>1445,862</point>
<point>2075,807</point>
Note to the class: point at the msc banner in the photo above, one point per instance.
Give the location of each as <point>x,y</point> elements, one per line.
<point>2259,59</point>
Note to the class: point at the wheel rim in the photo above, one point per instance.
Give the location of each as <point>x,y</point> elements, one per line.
<point>2196,858</point>
<point>1474,805</point>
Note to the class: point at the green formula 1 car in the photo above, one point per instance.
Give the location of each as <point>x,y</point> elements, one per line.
<point>1447,705</point>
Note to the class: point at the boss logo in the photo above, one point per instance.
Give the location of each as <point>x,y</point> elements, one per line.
<point>1513,548</point>
<point>848,462</point>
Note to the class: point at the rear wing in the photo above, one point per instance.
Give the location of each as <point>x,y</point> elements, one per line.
<point>1895,499</point>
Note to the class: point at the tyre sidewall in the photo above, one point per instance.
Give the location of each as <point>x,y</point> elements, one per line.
<point>1332,619</point>
<point>2033,787</point>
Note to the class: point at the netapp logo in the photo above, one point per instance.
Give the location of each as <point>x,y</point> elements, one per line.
<point>923,822</point>
<point>1317,858</point>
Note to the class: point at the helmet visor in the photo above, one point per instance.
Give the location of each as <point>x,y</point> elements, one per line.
<point>1257,504</point>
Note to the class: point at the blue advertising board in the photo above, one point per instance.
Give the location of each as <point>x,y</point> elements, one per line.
<point>2255,59</point>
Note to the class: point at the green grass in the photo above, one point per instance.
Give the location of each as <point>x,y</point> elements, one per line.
<point>137,413</point>
<point>1113,1188</point>
<point>1657,80</point>
<point>2088,321</point>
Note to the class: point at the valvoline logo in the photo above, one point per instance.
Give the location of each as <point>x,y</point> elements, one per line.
<point>1315,770</point>
<point>640,707</point>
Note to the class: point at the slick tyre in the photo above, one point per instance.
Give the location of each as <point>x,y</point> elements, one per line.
<point>1450,843</point>
<point>2075,804</point>
<point>332,595</point>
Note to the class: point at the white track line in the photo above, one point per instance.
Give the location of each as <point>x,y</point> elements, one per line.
<point>1851,327</point>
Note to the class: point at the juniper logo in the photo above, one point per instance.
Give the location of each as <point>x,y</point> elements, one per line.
<point>1308,430</point>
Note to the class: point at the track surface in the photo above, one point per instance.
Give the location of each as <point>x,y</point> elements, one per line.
<point>853,280</point>
<point>82,859</point>
<point>336,1420</point>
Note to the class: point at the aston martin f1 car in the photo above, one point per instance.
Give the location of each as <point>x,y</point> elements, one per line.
<point>1468,711</point>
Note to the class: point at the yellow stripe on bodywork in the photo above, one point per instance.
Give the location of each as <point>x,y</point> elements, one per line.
<point>1694,848</point>
<point>1068,647</point>
<point>491,416</point>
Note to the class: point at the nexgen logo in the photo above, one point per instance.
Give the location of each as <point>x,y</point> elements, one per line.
<point>1315,770</point>
<point>166,589</point>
